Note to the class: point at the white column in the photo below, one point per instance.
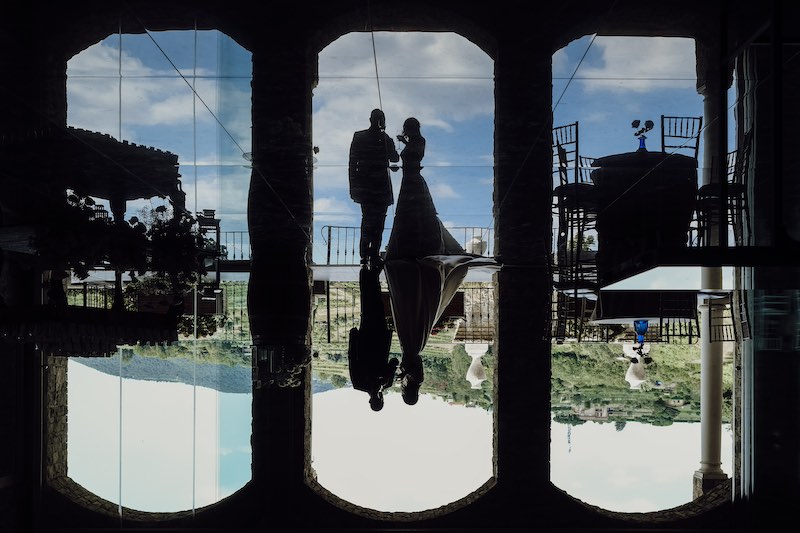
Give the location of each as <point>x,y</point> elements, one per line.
<point>710,472</point>
<point>710,396</point>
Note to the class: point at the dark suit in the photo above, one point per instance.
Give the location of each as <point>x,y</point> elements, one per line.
<point>370,185</point>
<point>368,348</point>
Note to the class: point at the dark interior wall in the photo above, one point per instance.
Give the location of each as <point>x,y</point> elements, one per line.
<point>35,45</point>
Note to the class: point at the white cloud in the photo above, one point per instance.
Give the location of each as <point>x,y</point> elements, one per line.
<point>101,59</point>
<point>404,54</point>
<point>640,64</point>
<point>352,468</point>
<point>439,78</point>
<point>443,190</point>
<point>560,62</point>
<point>333,210</point>
<point>151,98</point>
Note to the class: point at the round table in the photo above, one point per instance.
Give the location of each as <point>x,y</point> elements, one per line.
<point>646,201</point>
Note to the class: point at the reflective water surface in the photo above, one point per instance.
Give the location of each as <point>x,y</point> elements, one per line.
<point>630,445</point>
<point>403,458</point>
<point>634,468</point>
<point>143,435</point>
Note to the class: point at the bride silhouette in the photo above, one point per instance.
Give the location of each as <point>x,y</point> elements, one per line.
<point>424,264</point>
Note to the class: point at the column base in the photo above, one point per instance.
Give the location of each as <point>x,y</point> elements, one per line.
<point>703,482</point>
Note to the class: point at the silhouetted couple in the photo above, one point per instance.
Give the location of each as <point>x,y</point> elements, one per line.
<point>424,265</point>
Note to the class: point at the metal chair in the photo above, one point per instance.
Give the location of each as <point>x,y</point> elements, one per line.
<point>565,158</point>
<point>585,166</point>
<point>681,135</point>
<point>710,201</point>
<point>576,205</point>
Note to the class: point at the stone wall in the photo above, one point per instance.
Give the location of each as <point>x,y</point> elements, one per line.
<point>56,409</point>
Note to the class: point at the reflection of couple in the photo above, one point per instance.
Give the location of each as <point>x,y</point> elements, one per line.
<point>424,265</point>
<point>371,370</point>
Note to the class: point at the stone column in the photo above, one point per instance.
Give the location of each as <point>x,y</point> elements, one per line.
<point>710,473</point>
<point>56,397</point>
<point>279,291</point>
<point>34,93</point>
<point>523,221</point>
<point>711,86</point>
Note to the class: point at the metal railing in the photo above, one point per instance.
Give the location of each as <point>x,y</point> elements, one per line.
<point>236,245</point>
<point>341,245</point>
<point>479,316</point>
<point>341,242</point>
<point>89,295</point>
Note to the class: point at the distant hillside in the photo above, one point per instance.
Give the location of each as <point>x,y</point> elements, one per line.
<point>223,378</point>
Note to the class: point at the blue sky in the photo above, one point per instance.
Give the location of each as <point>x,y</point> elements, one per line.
<point>444,81</point>
<point>621,79</point>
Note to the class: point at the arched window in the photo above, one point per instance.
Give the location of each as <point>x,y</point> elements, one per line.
<point>162,427</point>
<point>404,458</point>
<point>625,429</point>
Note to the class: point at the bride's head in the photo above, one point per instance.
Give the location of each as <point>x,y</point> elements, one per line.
<point>411,127</point>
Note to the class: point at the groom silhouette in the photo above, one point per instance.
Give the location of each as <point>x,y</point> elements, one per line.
<point>371,151</point>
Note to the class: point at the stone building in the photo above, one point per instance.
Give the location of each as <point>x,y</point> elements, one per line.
<point>758,39</point>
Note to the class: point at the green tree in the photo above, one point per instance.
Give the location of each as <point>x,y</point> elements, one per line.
<point>338,381</point>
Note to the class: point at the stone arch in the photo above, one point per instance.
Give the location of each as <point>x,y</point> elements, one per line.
<point>404,17</point>
<point>719,499</point>
<point>413,18</point>
<point>55,456</point>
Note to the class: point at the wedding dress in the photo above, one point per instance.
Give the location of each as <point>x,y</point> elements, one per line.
<point>424,264</point>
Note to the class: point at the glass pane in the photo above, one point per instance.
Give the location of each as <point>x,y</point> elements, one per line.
<point>158,448</point>
<point>608,427</point>
<point>159,53</point>
<point>617,402</point>
<point>447,435</point>
<point>450,92</point>
<point>221,188</point>
<point>181,412</point>
<point>230,104</point>
<point>93,441</point>
<point>446,82</point>
<point>620,80</point>
<point>159,112</point>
